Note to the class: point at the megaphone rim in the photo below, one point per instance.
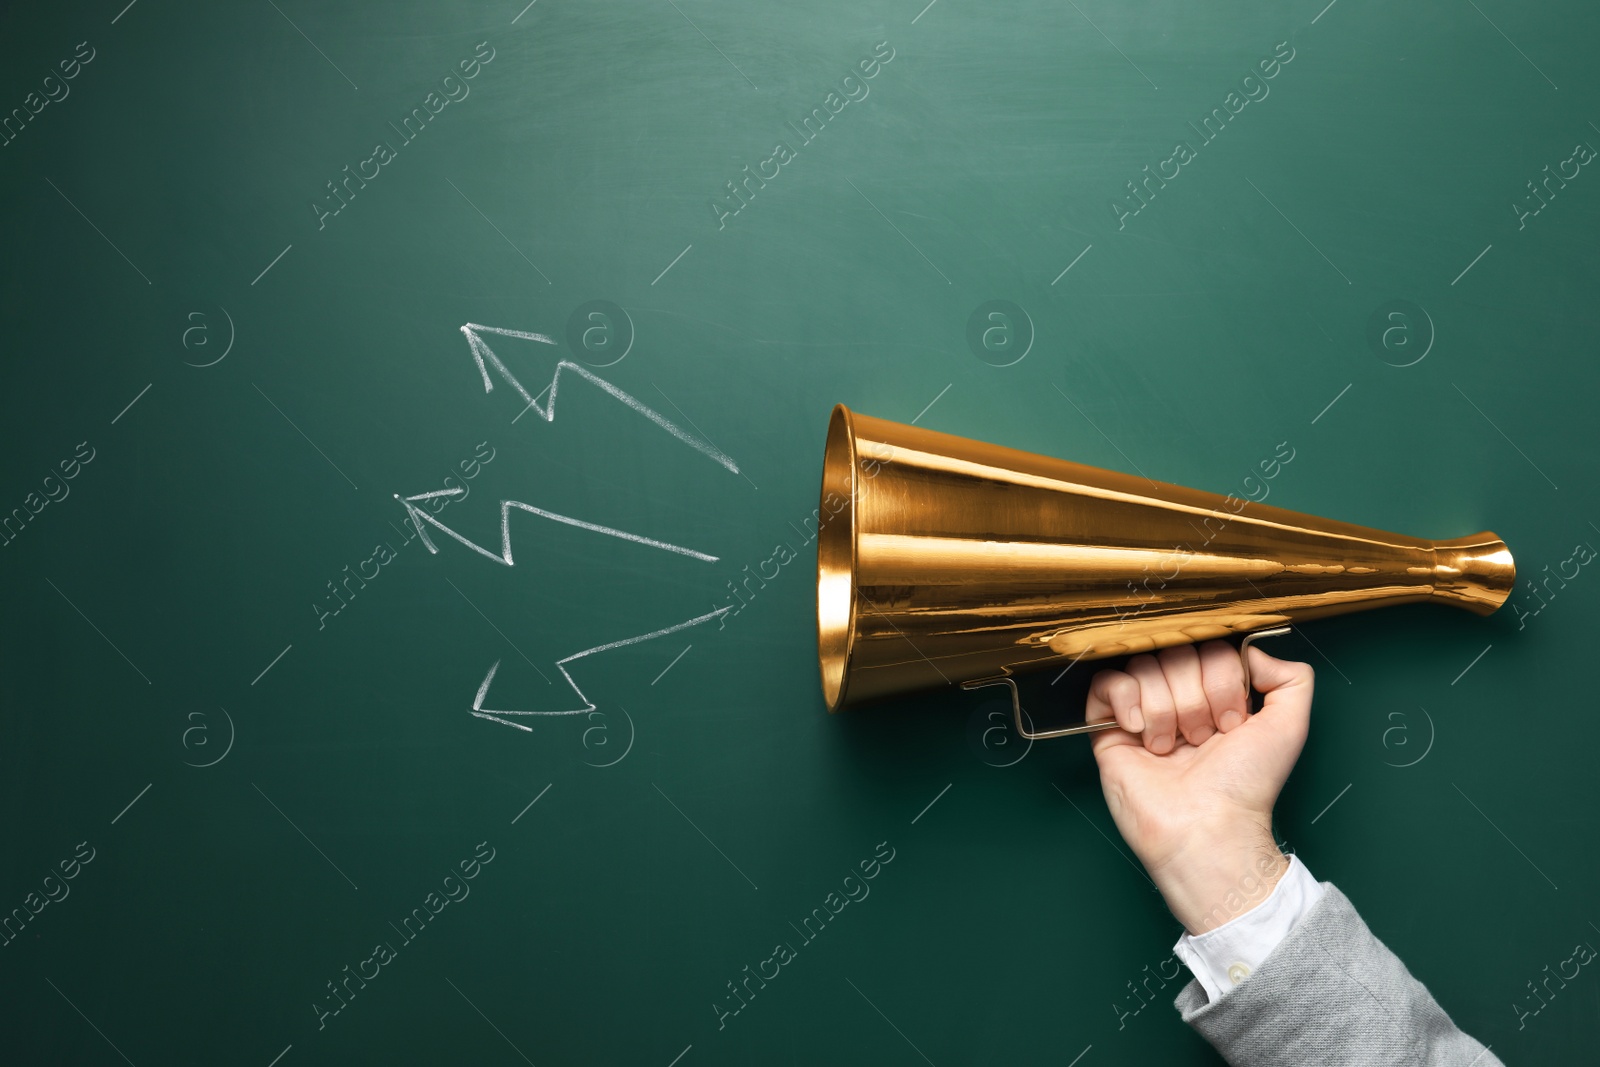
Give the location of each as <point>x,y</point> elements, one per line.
<point>836,559</point>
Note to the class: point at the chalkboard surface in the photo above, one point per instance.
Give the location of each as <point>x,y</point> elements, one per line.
<point>398,400</point>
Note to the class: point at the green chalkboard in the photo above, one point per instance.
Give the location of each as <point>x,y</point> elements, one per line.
<point>302,765</point>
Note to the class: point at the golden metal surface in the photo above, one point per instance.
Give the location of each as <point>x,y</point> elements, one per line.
<point>946,560</point>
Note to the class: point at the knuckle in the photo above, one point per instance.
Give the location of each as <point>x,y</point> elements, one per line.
<point>1161,702</point>
<point>1159,716</point>
<point>1177,654</point>
<point>1105,683</point>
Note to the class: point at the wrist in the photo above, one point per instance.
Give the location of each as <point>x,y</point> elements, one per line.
<point>1220,875</point>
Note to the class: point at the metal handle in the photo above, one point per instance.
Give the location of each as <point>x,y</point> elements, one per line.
<point>1244,660</point>
<point>1106,724</point>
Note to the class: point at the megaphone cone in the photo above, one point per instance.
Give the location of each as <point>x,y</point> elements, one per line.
<point>947,560</point>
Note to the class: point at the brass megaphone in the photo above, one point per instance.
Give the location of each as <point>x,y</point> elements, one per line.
<point>942,560</point>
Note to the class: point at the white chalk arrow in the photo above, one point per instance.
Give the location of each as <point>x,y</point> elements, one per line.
<point>418,517</point>
<point>484,356</point>
<point>561,665</point>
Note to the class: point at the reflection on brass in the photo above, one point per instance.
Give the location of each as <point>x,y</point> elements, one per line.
<point>948,560</point>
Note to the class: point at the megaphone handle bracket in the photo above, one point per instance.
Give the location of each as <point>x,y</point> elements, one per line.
<point>1107,724</point>
<point>1016,712</point>
<point>1244,659</point>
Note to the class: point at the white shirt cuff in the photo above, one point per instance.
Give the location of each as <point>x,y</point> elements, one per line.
<point>1222,958</point>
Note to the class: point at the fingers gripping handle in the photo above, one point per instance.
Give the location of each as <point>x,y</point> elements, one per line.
<point>1023,730</point>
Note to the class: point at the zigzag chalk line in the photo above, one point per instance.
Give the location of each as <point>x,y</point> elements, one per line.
<point>482,354</point>
<point>561,665</point>
<point>418,517</point>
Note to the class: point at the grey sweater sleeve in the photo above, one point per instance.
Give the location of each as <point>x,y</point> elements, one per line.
<point>1330,993</point>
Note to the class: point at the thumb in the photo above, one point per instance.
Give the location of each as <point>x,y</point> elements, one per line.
<point>1287,686</point>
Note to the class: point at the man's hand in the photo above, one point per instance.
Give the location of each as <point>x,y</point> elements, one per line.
<point>1191,778</point>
